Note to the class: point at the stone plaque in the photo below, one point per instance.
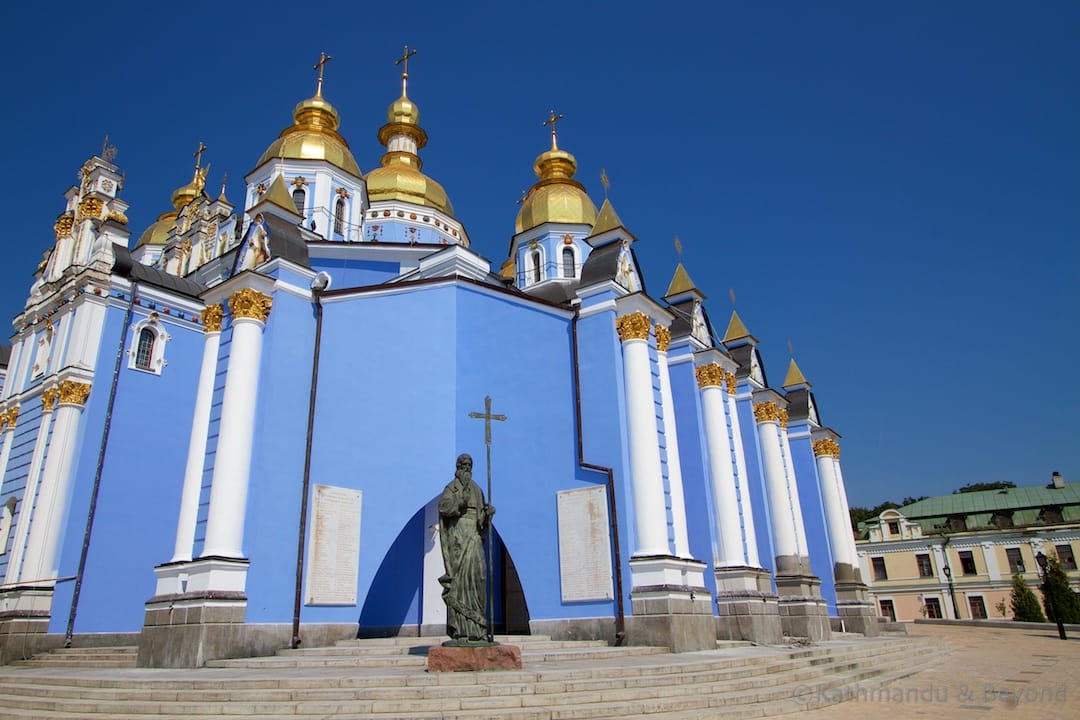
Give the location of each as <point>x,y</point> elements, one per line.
<point>333,562</point>
<point>584,545</point>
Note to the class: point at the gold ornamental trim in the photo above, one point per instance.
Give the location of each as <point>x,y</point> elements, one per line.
<point>73,393</point>
<point>633,326</point>
<point>248,303</point>
<point>8,419</point>
<point>90,207</point>
<point>766,412</point>
<point>711,375</point>
<point>48,399</point>
<point>732,383</point>
<point>827,446</point>
<point>663,338</point>
<point>783,418</point>
<point>211,317</point>
<point>64,224</point>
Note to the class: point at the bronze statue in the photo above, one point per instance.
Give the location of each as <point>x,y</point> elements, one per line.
<point>464,516</point>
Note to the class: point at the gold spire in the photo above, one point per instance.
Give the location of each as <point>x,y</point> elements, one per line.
<point>680,282</point>
<point>608,219</point>
<point>278,194</point>
<point>735,329</point>
<point>313,134</point>
<point>794,376</point>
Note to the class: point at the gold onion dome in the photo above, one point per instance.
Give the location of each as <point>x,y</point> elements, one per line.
<point>158,233</point>
<point>399,177</point>
<point>556,197</point>
<point>313,136</point>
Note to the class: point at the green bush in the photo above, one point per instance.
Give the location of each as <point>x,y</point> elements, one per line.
<point>1056,586</point>
<point>1025,606</point>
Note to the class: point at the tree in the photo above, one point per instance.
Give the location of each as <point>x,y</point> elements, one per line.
<point>1025,606</point>
<point>1056,585</point>
<point>980,486</point>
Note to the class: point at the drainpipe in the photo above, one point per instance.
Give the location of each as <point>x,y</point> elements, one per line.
<point>99,469</point>
<point>620,613</point>
<point>318,286</point>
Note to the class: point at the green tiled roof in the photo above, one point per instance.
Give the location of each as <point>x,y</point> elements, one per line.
<point>986,501</point>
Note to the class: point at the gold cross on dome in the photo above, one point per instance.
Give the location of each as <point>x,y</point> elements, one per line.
<point>551,121</point>
<point>198,154</point>
<point>403,61</point>
<point>323,59</point>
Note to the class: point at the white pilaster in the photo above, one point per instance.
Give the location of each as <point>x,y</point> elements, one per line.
<point>746,510</point>
<point>13,377</point>
<point>8,418</point>
<point>671,438</point>
<point>839,524</point>
<point>200,425</point>
<point>721,472</point>
<point>844,500</point>
<point>57,483</point>
<point>33,477</point>
<point>232,463</point>
<point>793,486</point>
<point>785,537</point>
<point>992,568</point>
<point>646,478</point>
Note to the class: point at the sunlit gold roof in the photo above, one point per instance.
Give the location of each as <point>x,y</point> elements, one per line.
<point>313,136</point>
<point>680,282</point>
<point>794,375</point>
<point>735,329</point>
<point>158,233</point>
<point>399,177</point>
<point>556,197</point>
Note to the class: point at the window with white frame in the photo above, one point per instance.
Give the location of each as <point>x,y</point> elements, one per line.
<point>147,348</point>
<point>299,197</point>
<point>536,272</point>
<point>569,263</point>
<point>339,216</point>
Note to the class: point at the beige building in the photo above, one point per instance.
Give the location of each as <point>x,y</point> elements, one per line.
<point>954,556</point>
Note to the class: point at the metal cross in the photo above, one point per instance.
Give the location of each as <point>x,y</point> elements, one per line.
<point>323,59</point>
<point>198,154</point>
<point>403,61</point>
<point>551,121</point>
<point>487,417</point>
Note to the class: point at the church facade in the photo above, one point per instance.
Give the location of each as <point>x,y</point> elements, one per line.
<point>230,433</point>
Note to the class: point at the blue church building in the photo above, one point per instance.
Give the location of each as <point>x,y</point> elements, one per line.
<point>229,434</point>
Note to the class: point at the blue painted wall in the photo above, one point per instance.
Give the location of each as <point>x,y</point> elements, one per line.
<point>813,511</point>
<point>356,273</point>
<point>756,479</point>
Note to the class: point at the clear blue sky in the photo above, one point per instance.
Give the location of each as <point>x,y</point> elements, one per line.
<point>893,187</point>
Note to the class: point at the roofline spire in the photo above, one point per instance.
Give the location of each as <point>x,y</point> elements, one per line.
<point>323,59</point>
<point>551,121</point>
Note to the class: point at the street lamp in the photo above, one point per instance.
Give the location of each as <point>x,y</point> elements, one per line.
<point>1042,560</point>
<point>952,592</point>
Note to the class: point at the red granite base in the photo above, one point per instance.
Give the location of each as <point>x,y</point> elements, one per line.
<point>442,658</point>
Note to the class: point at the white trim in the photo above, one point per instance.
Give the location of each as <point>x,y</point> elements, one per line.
<point>157,361</point>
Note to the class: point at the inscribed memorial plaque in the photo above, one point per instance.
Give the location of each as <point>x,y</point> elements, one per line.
<point>584,545</point>
<point>333,562</point>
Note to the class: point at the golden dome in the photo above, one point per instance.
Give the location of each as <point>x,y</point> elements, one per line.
<point>399,177</point>
<point>556,197</point>
<point>158,233</point>
<point>313,136</point>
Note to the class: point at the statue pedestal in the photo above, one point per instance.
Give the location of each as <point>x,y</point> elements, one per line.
<point>468,658</point>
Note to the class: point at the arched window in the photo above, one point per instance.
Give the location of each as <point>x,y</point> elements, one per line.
<point>147,351</point>
<point>568,265</point>
<point>144,353</point>
<point>534,267</point>
<point>298,197</point>
<point>339,216</point>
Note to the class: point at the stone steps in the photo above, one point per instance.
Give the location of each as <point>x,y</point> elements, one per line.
<point>741,682</point>
<point>90,657</point>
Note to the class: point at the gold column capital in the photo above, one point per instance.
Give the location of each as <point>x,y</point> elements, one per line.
<point>711,375</point>
<point>64,224</point>
<point>732,383</point>
<point>766,412</point>
<point>248,303</point>
<point>783,417</point>
<point>48,399</point>
<point>73,393</point>
<point>663,338</point>
<point>211,317</point>
<point>826,446</point>
<point>632,326</point>
<point>8,419</point>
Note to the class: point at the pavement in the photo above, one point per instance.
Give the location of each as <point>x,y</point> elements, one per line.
<point>989,673</point>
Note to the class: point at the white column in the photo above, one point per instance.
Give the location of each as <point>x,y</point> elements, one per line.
<point>839,525</point>
<point>746,509</point>
<point>200,425</point>
<point>232,461</point>
<point>33,475</point>
<point>843,498</point>
<point>710,380</point>
<point>646,478</point>
<point>793,486</point>
<point>54,498</point>
<point>990,558</point>
<point>8,418</point>
<point>15,370</point>
<point>671,437</point>
<point>785,538</point>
